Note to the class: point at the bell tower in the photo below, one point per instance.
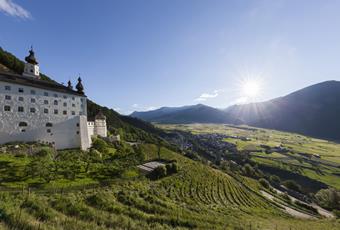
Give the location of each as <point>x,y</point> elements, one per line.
<point>31,66</point>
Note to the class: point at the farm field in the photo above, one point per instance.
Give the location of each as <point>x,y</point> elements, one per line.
<point>314,158</point>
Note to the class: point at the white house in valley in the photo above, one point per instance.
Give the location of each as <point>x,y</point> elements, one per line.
<point>33,109</point>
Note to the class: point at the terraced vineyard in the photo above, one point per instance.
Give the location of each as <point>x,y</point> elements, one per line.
<point>196,197</point>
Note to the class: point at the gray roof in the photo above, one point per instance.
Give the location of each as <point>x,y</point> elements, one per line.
<point>37,83</point>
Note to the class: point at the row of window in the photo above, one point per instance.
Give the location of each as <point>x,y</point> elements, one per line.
<point>33,92</point>
<point>46,102</point>
<point>7,108</point>
<point>48,125</point>
<point>24,124</point>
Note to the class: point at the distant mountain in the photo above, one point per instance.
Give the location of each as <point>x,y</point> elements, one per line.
<point>313,111</point>
<point>187,114</point>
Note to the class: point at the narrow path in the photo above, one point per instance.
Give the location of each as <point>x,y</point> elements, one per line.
<point>321,211</point>
<point>287,209</point>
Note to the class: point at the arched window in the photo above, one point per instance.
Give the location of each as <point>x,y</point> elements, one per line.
<point>49,125</point>
<point>22,124</point>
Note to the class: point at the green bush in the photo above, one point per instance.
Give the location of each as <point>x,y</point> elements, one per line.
<point>328,198</point>
<point>100,145</point>
<point>159,172</point>
<point>45,152</point>
<point>248,170</point>
<point>290,184</point>
<point>264,183</point>
<point>171,168</point>
<point>336,213</point>
<point>274,179</point>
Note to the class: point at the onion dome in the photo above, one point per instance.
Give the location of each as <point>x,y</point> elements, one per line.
<point>31,58</point>
<point>100,116</point>
<point>69,85</point>
<point>79,86</point>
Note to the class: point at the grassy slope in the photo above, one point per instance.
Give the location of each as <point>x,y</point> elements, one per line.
<point>196,197</point>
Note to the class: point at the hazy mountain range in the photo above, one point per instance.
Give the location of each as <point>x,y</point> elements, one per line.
<point>313,111</point>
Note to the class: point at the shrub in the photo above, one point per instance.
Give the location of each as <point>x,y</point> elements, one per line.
<point>45,152</point>
<point>158,172</point>
<point>264,183</point>
<point>328,198</point>
<point>274,179</point>
<point>100,145</point>
<point>248,170</point>
<point>337,213</point>
<point>290,184</point>
<point>172,168</point>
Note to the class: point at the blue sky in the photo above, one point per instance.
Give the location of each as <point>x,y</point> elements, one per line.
<point>143,54</point>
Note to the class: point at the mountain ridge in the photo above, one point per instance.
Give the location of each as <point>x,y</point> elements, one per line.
<point>311,111</point>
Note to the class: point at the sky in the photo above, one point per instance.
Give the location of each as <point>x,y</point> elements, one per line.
<point>145,54</point>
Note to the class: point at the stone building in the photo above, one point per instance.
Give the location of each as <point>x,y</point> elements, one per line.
<point>33,109</point>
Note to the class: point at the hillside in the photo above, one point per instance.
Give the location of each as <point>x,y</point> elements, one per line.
<point>196,197</point>
<point>310,111</point>
<point>187,114</point>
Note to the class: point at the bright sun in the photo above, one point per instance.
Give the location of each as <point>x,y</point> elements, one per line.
<point>251,88</point>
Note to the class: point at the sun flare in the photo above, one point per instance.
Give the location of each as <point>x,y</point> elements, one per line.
<point>251,88</point>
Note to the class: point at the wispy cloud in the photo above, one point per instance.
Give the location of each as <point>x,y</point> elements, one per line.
<point>143,108</point>
<point>206,96</point>
<point>10,8</point>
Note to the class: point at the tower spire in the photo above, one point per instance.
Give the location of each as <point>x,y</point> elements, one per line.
<point>79,86</point>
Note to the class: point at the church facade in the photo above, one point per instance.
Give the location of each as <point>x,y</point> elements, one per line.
<point>33,109</point>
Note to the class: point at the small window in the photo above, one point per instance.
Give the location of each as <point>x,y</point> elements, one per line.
<point>73,98</point>
<point>65,112</point>
<point>8,97</point>
<point>46,102</point>
<point>32,110</point>
<point>55,102</point>
<point>55,95</point>
<point>55,111</point>
<point>73,105</point>
<point>45,110</point>
<point>23,130</point>
<point>20,109</point>
<point>46,94</point>
<point>48,130</point>
<point>22,124</point>
<point>7,108</point>
<point>21,99</point>
<point>33,92</point>
<point>64,96</point>
<point>73,113</point>
<point>80,113</point>
<point>7,87</point>
<point>77,132</point>
<point>49,124</point>
<point>65,104</point>
<point>20,90</point>
<point>32,100</point>
<point>77,124</point>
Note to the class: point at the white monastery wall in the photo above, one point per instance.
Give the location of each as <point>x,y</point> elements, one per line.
<point>50,116</point>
